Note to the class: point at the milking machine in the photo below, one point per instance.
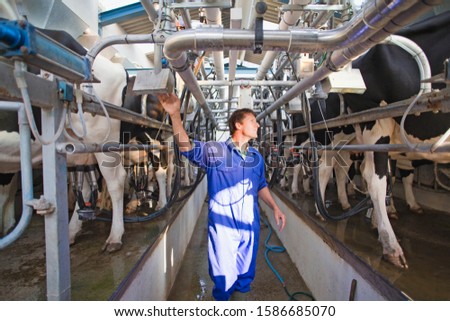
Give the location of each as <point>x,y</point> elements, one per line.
<point>77,174</point>
<point>363,205</point>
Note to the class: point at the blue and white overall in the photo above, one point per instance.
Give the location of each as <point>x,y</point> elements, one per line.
<point>233,217</point>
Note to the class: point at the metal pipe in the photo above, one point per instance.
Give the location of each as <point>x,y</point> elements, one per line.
<point>218,101</point>
<point>150,9</point>
<point>291,40</point>
<point>374,17</point>
<point>91,105</point>
<point>248,18</point>
<point>26,177</point>
<point>80,148</point>
<point>428,103</point>
<point>181,66</point>
<point>214,17</point>
<point>323,15</point>
<point>283,66</point>
<point>288,19</point>
<point>157,58</point>
<point>401,148</point>
<point>186,18</point>
<point>272,83</point>
<point>235,23</point>
<point>123,40</point>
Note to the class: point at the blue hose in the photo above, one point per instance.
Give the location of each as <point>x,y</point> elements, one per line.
<point>279,249</point>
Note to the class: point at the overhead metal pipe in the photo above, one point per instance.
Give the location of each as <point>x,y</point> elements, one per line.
<point>362,27</point>
<point>235,23</point>
<point>248,18</point>
<point>123,40</point>
<point>323,16</point>
<point>186,18</point>
<point>214,17</point>
<point>385,19</point>
<point>150,9</point>
<point>366,24</point>
<point>243,82</point>
<point>288,19</point>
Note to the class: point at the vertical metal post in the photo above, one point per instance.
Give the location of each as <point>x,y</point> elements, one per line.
<point>56,223</point>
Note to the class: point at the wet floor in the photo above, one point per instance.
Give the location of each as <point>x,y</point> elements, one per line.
<point>95,275</point>
<point>425,239</point>
<point>193,282</point>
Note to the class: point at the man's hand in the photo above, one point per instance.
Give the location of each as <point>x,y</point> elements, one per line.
<point>170,103</point>
<point>280,218</point>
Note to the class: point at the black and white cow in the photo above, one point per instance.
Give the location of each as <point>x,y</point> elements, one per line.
<point>112,78</point>
<point>157,162</point>
<point>391,75</point>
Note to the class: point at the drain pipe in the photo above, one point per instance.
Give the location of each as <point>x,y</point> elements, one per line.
<point>378,20</point>
<point>288,19</point>
<point>26,173</point>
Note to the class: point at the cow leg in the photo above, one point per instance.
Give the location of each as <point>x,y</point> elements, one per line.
<point>161,178</point>
<point>170,171</point>
<point>306,185</point>
<point>115,176</point>
<point>284,182</point>
<point>187,174</point>
<point>7,199</point>
<point>294,185</point>
<point>325,171</point>
<point>341,171</point>
<point>391,210</point>
<point>76,224</point>
<point>409,194</point>
<point>351,192</point>
<point>374,172</point>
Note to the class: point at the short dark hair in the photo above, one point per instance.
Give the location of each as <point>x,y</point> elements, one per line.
<point>237,116</point>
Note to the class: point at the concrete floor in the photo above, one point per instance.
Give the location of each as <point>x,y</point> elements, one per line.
<point>193,282</point>
<point>95,275</point>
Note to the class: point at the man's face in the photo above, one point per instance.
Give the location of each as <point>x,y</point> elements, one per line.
<point>249,126</point>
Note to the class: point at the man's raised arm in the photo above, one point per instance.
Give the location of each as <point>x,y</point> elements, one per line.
<point>171,105</point>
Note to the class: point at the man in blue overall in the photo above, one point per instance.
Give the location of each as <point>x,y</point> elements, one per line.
<point>236,180</point>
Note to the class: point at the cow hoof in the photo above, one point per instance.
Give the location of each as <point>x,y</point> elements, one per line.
<point>393,216</point>
<point>111,247</point>
<point>320,217</point>
<point>346,207</point>
<point>416,210</point>
<point>397,260</point>
<point>130,210</point>
<point>295,195</point>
